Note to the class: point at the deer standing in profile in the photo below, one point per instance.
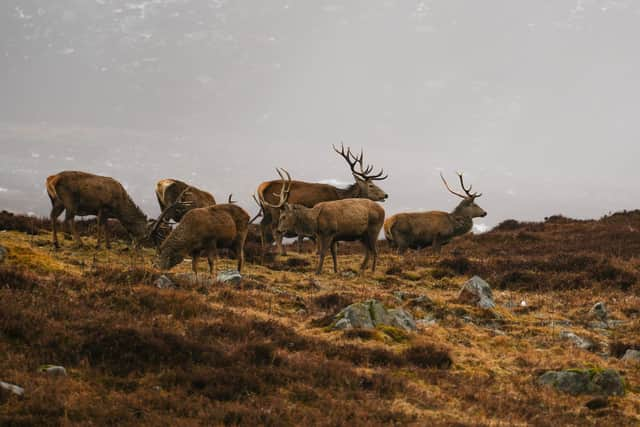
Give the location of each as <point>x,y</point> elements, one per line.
<point>309,194</point>
<point>416,230</point>
<point>168,191</point>
<point>81,193</point>
<point>331,222</point>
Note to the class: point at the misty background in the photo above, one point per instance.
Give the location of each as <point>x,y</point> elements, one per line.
<point>536,101</point>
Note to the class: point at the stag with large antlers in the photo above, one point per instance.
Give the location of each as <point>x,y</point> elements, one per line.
<point>416,230</point>
<point>81,193</point>
<point>168,191</point>
<point>310,194</point>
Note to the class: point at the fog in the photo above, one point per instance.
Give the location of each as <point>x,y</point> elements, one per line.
<point>537,102</point>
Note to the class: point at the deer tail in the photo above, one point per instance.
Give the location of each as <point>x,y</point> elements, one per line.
<point>51,183</point>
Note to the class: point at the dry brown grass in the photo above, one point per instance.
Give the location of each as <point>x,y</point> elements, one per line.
<point>260,353</point>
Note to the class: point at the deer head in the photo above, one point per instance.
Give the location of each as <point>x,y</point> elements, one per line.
<point>285,189</point>
<point>158,229</point>
<point>467,206</point>
<point>364,178</point>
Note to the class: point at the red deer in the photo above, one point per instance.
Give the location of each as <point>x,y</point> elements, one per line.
<point>206,230</point>
<point>416,230</point>
<point>334,221</point>
<point>81,193</point>
<point>168,190</point>
<point>309,194</point>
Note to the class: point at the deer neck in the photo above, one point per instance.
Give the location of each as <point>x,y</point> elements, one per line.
<point>307,221</point>
<point>462,222</point>
<point>133,219</point>
<point>351,192</point>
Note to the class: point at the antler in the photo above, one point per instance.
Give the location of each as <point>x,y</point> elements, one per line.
<point>469,195</point>
<point>259,214</point>
<point>229,199</point>
<point>353,160</point>
<point>284,190</point>
<point>467,190</point>
<point>160,226</point>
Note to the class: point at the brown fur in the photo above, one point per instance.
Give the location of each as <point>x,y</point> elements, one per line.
<point>310,194</point>
<point>168,190</point>
<point>81,194</point>
<point>435,228</point>
<point>338,220</point>
<point>206,229</point>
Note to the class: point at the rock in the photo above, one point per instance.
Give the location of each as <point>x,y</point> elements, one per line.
<point>402,319</point>
<point>427,321</point>
<point>476,292</point>
<point>598,324</point>
<point>54,370</point>
<point>163,282</point>
<point>580,342</point>
<point>422,302</point>
<point>371,313</point>
<point>599,311</point>
<point>607,382</point>
<point>631,355</point>
<point>17,390</point>
<point>232,277</point>
<point>4,254</point>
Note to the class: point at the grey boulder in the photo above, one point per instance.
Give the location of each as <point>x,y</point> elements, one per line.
<point>631,355</point>
<point>575,382</point>
<point>579,342</point>
<point>163,282</point>
<point>232,277</point>
<point>599,311</point>
<point>477,292</point>
<point>12,388</point>
<point>371,313</point>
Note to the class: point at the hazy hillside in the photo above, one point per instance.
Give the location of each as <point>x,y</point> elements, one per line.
<point>263,353</point>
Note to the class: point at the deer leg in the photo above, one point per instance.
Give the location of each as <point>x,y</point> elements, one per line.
<point>98,229</point>
<point>56,210</point>
<point>240,251</point>
<point>69,219</point>
<point>105,230</point>
<point>212,254</point>
<point>277,236</point>
<point>324,245</point>
<point>365,262</point>
<point>437,245</point>
<point>334,255</point>
<point>194,264</point>
<point>374,249</point>
<point>300,239</point>
<point>263,238</point>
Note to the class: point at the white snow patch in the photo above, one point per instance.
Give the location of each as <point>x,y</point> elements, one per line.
<point>3,190</point>
<point>336,183</point>
<point>480,228</point>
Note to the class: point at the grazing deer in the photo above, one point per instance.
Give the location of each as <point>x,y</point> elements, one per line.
<point>309,194</point>
<point>81,193</point>
<point>169,190</point>
<point>206,230</point>
<point>420,229</point>
<point>333,221</point>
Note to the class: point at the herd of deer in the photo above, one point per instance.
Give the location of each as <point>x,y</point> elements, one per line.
<point>289,208</point>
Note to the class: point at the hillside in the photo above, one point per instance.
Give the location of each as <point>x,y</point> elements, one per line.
<point>263,352</point>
